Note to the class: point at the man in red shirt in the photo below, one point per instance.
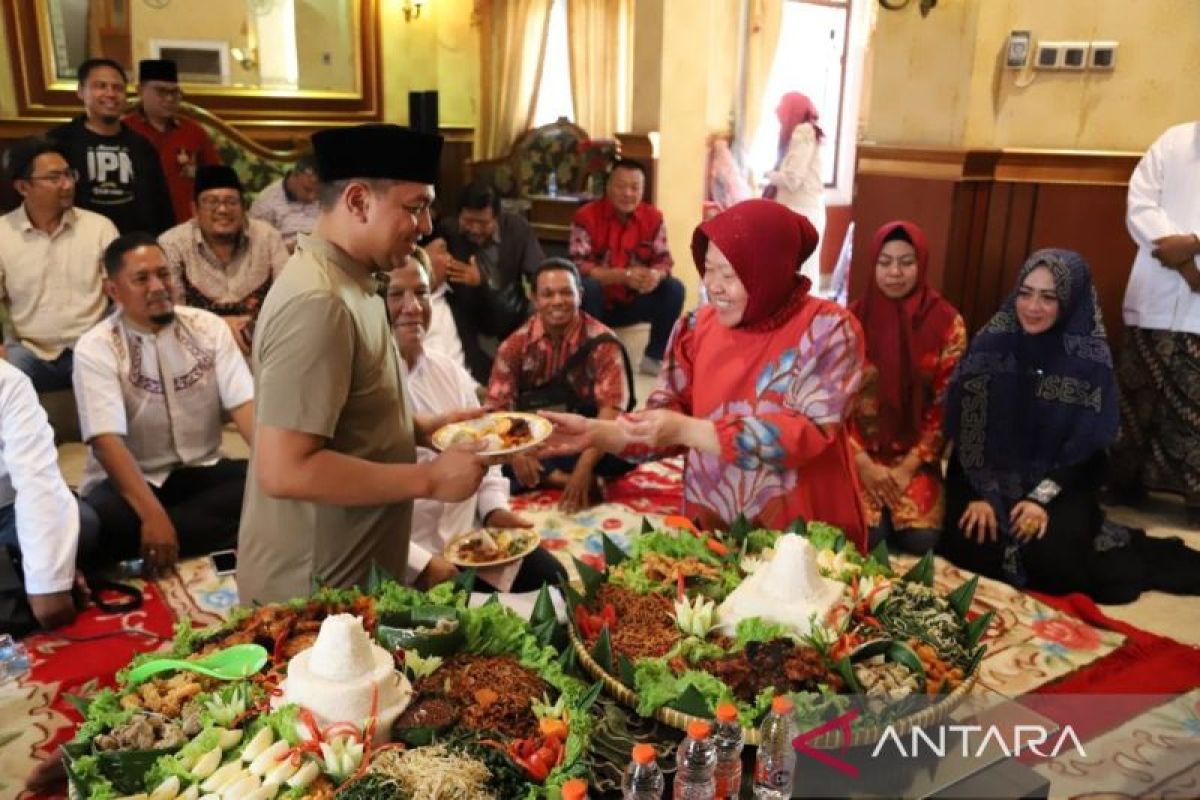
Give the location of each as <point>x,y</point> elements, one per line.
<point>182,144</point>
<point>562,359</point>
<point>619,244</point>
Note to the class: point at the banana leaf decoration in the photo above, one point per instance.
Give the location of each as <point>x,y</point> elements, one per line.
<point>602,651</point>
<point>625,670</point>
<point>881,556</point>
<point>613,555</point>
<point>978,626</point>
<point>544,621</point>
<point>591,578</point>
<point>465,581</point>
<point>922,571</point>
<point>740,529</point>
<point>960,599</point>
<point>589,699</point>
<point>692,702</point>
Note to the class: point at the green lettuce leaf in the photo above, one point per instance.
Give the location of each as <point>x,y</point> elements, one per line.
<point>756,629</point>
<point>657,685</point>
<point>104,714</point>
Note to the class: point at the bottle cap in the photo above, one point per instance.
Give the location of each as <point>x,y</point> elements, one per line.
<point>575,789</point>
<point>644,753</point>
<point>698,729</point>
<point>727,712</point>
<point>781,704</point>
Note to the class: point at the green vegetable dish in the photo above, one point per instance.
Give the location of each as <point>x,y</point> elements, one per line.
<point>388,693</point>
<point>689,619</point>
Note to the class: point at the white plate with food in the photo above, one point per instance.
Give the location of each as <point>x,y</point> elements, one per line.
<point>491,547</point>
<point>500,433</point>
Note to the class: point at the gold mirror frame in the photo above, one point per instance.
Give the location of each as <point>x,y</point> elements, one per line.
<point>43,98</point>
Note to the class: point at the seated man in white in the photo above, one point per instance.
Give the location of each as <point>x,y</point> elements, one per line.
<point>41,524</point>
<point>155,475</point>
<point>50,281</point>
<point>441,334</point>
<point>435,384</point>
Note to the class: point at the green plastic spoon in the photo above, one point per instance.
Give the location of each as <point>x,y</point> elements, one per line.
<point>239,661</point>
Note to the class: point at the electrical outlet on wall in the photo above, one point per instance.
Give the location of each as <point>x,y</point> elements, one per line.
<point>1074,55</point>
<point>1102,55</point>
<point>1048,55</point>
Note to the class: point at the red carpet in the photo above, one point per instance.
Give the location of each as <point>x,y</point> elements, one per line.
<point>1144,666</point>
<point>84,657</point>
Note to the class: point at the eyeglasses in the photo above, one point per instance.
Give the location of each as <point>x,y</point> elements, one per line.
<point>213,203</point>
<point>65,176</point>
<point>167,92</point>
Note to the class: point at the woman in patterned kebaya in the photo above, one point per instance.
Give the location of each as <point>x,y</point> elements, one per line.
<point>914,340</point>
<point>756,385</point>
<point>1032,409</point>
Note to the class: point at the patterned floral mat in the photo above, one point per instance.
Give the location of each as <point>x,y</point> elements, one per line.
<point>1031,645</point>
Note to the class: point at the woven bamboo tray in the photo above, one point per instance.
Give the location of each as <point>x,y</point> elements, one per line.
<point>828,741</point>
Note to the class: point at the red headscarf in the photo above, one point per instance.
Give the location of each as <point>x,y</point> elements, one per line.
<point>793,109</point>
<point>766,242</point>
<point>900,333</point>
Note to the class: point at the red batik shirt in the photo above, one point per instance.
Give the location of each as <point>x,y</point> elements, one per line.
<point>601,238</point>
<point>182,147</point>
<point>530,357</point>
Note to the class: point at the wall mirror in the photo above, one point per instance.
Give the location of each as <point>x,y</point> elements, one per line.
<point>252,62</point>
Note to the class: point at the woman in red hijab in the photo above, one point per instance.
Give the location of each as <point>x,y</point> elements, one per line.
<point>756,385</point>
<point>796,180</point>
<point>914,340</point>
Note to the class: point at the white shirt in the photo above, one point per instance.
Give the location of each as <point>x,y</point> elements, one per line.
<point>46,513</point>
<point>119,390</point>
<point>798,186</point>
<point>442,335</point>
<point>436,385</point>
<point>1164,200</point>
<point>52,283</point>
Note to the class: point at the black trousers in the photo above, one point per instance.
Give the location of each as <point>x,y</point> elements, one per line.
<point>203,503</point>
<point>537,569</point>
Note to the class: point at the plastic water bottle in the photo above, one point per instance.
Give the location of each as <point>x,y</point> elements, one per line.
<point>643,779</point>
<point>729,740</point>
<point>696,764</point>
<point>575,789</point>
<point>552,184</point>
<point>775,769</point>
<point>14,658</point>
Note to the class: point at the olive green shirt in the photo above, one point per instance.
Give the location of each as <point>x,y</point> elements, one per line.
<point>325,363</point>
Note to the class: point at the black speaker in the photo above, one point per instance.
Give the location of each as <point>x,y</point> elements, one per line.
<point>423,111</point>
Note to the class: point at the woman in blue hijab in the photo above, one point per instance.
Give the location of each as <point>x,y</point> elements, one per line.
<point>1032,409</point>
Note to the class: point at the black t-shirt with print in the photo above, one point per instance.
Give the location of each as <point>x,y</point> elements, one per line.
<point>120,177</point>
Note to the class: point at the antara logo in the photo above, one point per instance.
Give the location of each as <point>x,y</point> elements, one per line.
<point>1023,737</point>
<point>1019,739</point>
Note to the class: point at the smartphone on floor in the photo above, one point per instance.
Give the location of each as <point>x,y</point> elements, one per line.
<point>224,561</point>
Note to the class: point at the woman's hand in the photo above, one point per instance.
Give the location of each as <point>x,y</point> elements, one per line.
<point>574,434</point>
<point>978,522</point>
<point>656,428</point>
<point>1029,520</point>
<point>878,481</point>
<point>904,472</point>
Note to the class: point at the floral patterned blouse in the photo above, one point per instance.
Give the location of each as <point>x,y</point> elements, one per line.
<point>923,504</point>
<point>779,400</point>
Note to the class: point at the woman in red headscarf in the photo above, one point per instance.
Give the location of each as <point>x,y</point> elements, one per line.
<point>796,180</point>
<point>914,340</point>
<point>756,385</point>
